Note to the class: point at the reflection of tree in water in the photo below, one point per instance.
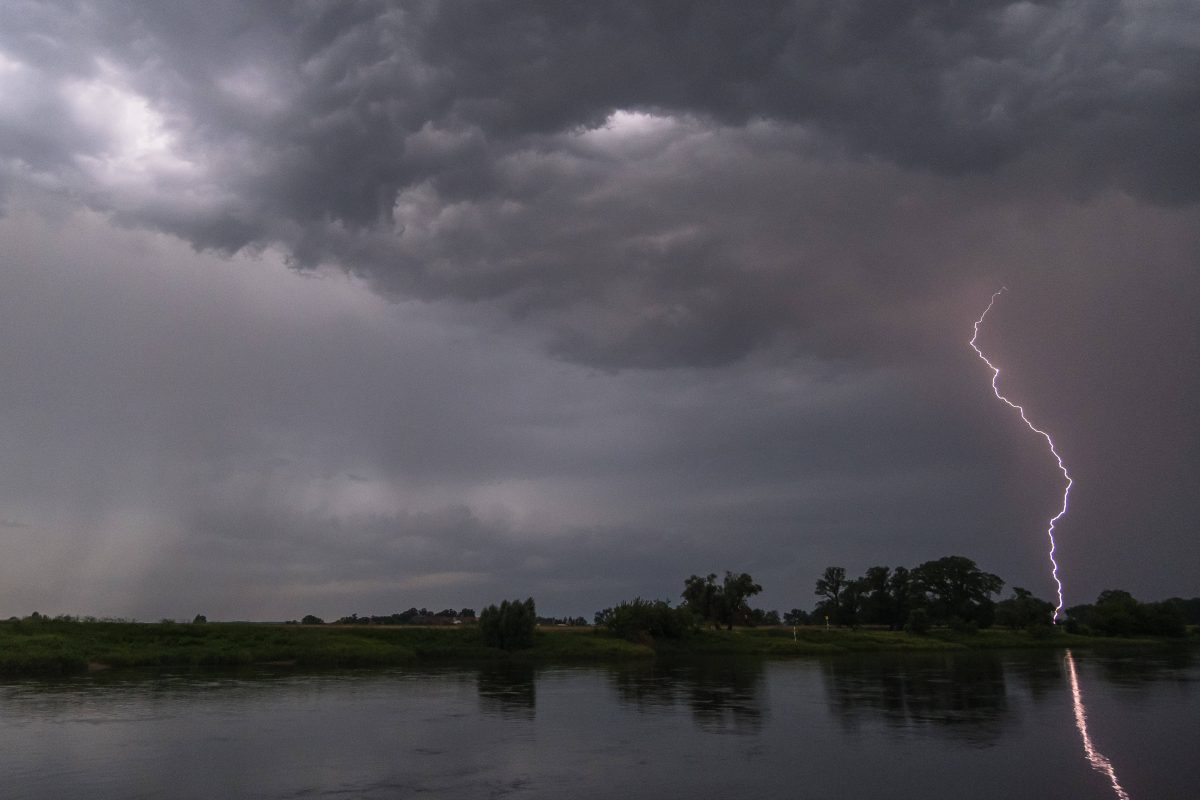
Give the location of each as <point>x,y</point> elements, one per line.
<point>960,696</point>
<point>508,689</point>
<point>1040,671</point>
<point>1135,669</point>
<point>724,695</point>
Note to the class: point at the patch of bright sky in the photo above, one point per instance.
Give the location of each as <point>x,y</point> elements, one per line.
<point>138,146</point>
<point>630,132</point>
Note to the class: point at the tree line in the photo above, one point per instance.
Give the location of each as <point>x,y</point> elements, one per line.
<point>951,591</point>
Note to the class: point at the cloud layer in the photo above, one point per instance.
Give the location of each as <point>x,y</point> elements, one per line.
<point>634,291</point>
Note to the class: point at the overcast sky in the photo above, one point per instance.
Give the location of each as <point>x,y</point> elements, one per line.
<point>332,308</point>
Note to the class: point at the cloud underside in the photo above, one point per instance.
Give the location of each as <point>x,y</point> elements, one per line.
<point>671,185</point>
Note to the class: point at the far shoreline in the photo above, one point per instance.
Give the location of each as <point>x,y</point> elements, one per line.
<point>53,647</point>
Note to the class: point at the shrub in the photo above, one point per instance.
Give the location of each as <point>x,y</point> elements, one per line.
<point>960,625</point>
<point>638,618</point>
<point>918,622</point>
<point>509,626</point>
<point>1040,630</point>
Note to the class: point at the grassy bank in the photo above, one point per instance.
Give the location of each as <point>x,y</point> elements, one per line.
<point>62,647</point>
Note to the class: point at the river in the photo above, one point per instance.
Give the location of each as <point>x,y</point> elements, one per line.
<point>1038,724</point>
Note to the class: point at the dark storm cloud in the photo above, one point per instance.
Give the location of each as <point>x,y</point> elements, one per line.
<point>441,150</point>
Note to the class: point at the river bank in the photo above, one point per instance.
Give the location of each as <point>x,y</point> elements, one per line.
<point>48,647</point>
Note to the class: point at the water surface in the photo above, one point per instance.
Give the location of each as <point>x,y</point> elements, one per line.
<point>875,725</point>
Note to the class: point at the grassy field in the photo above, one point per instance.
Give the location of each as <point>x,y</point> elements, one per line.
<point>29,647</point>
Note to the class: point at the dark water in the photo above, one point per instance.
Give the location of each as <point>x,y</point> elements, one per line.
<point>873,726</point>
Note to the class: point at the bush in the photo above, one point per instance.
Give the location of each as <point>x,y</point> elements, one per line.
<point>310,619</point>
<point>967,626</point>
<point>1040,630</point>
<point>636,619</point>
<point>918,622</point>
<point>509,626</point>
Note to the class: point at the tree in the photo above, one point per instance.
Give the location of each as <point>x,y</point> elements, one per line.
<point>720,603</point>
<point>874,598</point>
<point>736,590</point>
<point>796,617</point>
<point>1189,608</point>
<point>761,616</point>
<point>831,585</point>
<point>309,619</point>
<point>199,619</point>
<point>853,602</point>
<point>954,587</point>
<point>703,597</point>
<point>1024,611</point>
<point>1117,613</point>
<point>509,626</point>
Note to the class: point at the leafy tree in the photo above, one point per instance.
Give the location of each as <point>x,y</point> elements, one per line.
<point>736,590</point>
<point>1024,611</point>
<point>1163,619</point>
<point>509,626</point>
<point>796,617</point>
<point>720,603</point>
<point>875,601</point>
<point>955,587</point>
<point>832,586</point>
<point>199,619</point>
<point>309,619</point>
<point>1190,609</point>
<point>853,602</point>
<point>1117,613</point>
<point>703,596</point>
<point>467,613</point>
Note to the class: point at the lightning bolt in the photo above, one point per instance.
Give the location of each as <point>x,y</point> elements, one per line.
<point>1053,451</point>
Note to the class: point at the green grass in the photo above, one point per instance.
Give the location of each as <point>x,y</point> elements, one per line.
<point>40,647</point>
<point>28,647</point>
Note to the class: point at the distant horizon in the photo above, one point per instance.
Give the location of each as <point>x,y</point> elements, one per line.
<point>329,619</point>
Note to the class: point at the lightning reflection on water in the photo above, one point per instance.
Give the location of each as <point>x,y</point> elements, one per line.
<point>1054,452</point>
<point>1094,756</point>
